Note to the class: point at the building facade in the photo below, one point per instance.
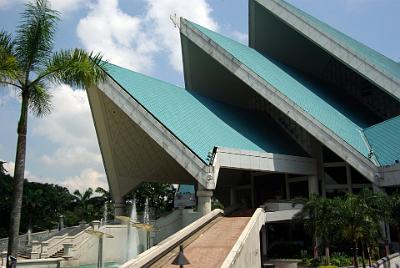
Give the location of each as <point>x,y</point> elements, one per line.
<point>302,109</point>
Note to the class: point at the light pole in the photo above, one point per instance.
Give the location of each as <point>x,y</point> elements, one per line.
<point>180,260</point>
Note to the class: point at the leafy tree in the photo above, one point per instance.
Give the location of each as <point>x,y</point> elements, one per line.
<point>2,169</point>
<point>106,195</point>
<point>28,64</point>
<point>361,216</point>
<point>321,218</point>
<point>161,196</point>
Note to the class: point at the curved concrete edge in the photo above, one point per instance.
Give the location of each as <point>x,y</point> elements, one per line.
<point>388,261</point>
<point>248,244</point>
<point>164,246</point>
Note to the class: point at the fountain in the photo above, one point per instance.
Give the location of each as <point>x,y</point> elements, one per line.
<point>146,215</point>
<point>105,214</point>
<point>132,236</point>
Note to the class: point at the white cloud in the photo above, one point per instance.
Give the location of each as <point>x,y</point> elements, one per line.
<point>10,167</point>
<point>87,178</point>
<point>72,157</point>
<point>241,37</point>
<point>70,128</point>
<point>70,122</point>
<point>158,16</point>
<point>133,41</point>
<point>117,35</point>
<point>63,6</point>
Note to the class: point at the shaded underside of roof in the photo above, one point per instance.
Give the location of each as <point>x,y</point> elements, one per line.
<point>384,139</point>
<point>200,122</point>
<point>379,61</point>
<point>304,93</point>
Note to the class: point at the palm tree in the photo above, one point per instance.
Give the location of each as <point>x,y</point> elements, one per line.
<point>28,64</point>
<point>83,199</point>
<point>321,218</point>
<point>106,195</point>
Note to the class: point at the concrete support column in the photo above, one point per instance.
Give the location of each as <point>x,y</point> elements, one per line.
<point>232,196</point>
<point>204,200</point>
<point>264,240</point>
<point>313,185</point>
<point>119,206</point>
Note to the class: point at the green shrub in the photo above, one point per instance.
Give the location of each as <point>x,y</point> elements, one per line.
<point>340,259</point>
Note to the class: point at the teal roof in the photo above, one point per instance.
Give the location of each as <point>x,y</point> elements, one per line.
<point>297,88</point>
<point>384,139</point>
<point>381,62</point>
<point>200,122</point>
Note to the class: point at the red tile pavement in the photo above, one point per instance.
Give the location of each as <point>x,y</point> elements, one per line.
<point>211,248</point>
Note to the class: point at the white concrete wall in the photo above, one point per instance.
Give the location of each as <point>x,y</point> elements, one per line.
<point>246,251</point>
<point>173,222</point>
<point>40,263</point>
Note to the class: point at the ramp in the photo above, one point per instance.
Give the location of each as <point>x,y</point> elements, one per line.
<point>207,242</point>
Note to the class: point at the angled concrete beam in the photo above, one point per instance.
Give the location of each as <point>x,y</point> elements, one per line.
<point>284,104</point>
<point>156,131</point>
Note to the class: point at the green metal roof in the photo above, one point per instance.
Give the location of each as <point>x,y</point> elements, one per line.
<point>200,122</point>
<point>381,62</point>
<point>297,88</point>
<point>384,139</point>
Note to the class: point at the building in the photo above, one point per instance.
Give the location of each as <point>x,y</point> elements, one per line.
<point>303,109</point>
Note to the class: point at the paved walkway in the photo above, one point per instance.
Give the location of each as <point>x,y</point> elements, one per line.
<point>211,247</point>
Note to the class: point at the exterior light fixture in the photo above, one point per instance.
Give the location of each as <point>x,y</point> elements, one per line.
<point>180,259</point>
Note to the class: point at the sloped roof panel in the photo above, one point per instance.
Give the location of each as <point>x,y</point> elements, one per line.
<point>199,122</point>
<point>298,89</point>
<point>384,139</point>
<point>380,61</point>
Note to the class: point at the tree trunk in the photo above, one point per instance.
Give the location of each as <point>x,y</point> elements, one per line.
<point>369,249</point>
<point>327,255</point>
<point>363,254</point>
<point>18,181</point>
<point>355,260</point>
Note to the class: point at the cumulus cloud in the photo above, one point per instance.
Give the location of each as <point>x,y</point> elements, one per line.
<point>117,35</point>
<point>10,167</point>
<point>241,37</point>
<point>133,41</point>
<point>158,16</point>
<point>70,128</point>
<point>87,178</point>
<point>70,122</point>
<point>64,6</point>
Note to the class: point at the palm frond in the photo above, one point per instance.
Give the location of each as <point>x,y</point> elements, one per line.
<point>8,62</point>
<point>74,67</point>
<point>40,100</point>
<point>35,35</point>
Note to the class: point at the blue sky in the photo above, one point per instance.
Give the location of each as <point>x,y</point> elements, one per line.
<point>62,147</point>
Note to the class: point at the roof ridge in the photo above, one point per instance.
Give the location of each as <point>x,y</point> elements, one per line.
<point>288,6</point>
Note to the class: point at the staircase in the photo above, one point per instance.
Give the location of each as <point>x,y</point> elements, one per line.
<point>58,254</point>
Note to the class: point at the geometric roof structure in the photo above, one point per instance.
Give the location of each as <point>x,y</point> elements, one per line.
<point>202,123</point>
<point>376,67</point>
<point>299,84</point>
<point>316,101</point>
